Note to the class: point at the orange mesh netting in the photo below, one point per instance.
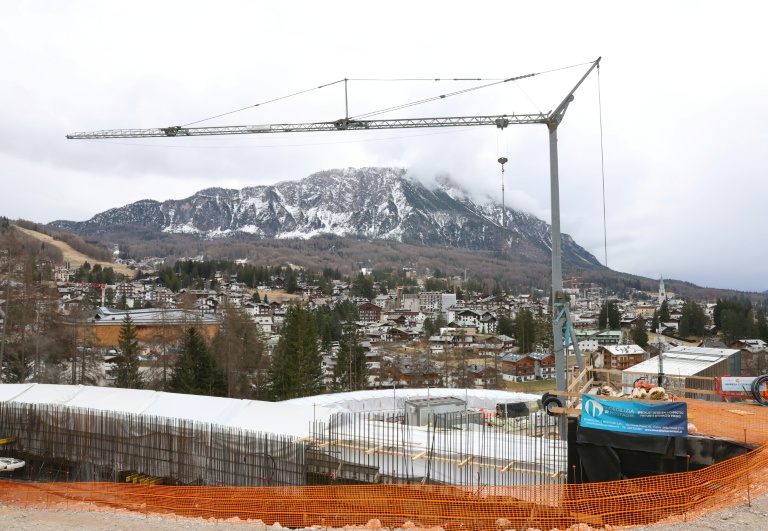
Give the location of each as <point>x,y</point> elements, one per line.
<point>666,498</point>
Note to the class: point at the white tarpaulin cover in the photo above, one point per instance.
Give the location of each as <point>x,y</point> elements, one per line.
<point>291,417</point>
<point>376,441</point>
<point>387,400</point>
<point>279,418</point>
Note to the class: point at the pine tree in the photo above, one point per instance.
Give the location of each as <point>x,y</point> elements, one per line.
<point>693,321</point>
<point>525,331</point>
<point>602,318</point>
<point>542,324</point>
<point>614,317</point>
<point>295,370</point>
<point>291,284</point>
<point>238,350</point>
<point>351,371</point>
<point>639,334</point>
<point>196,372</point>
<point>664,312</point>
<point>127,365</point>
<point>609,317</point>
<point>505,326</point>
<point>655,322</point>
<point>439,323</point>
<point>429,327</point>
<point>497,292</point>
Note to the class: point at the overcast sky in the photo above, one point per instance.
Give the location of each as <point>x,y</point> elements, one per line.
<point>683,88</point>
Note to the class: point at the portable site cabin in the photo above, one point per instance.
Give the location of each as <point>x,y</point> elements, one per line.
<point>418,410</point>
<point>684,366</point>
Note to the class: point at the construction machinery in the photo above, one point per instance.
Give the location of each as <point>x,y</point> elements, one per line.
<point>562,330</point>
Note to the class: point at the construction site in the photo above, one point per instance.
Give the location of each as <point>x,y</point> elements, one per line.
<point>456,459</point>
<point>583,457</point>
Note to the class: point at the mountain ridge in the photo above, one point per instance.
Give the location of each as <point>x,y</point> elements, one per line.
<point>365,203</point>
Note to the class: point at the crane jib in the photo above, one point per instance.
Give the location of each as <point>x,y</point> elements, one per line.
<point>345,124</point>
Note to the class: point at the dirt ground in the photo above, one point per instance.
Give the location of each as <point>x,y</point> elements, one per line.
<point>742,518</point>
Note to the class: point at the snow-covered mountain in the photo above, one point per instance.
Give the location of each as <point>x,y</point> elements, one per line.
<point>367,203</point>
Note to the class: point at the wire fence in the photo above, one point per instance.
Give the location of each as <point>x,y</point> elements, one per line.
<point>73,444</point>
<point>455,448</point>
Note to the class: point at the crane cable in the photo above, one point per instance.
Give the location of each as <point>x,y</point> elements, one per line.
<point>440,97</point>
<point>464,91</point>
<point>265,102</point>
<point>502,159</point>
<point>403,106</point>
<point>602,163</point>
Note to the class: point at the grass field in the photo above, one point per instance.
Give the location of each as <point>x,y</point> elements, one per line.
<point>76,259</point>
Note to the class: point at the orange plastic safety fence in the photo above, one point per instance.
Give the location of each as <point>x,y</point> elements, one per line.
<point>643,501</point>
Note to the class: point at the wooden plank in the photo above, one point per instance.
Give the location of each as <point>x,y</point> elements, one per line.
<point>565,393</point>
<point>578,379</point>
<point>677,376</point>
<point>705,392</point>
<point>466,461</point>
<point>444,460</point>
<point>586,385</point>
<point>419,456</point>
<point>565,411</point>
<point>506,468</point>
<point>374,449</point>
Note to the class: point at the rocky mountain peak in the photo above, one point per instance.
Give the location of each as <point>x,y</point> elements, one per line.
<point>368,203</point>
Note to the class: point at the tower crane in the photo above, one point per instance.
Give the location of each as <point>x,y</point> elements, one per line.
<point>562,330</point>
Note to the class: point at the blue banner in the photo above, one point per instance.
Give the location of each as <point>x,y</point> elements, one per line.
<point>664,418</point>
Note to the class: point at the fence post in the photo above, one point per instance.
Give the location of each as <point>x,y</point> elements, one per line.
<point>749,483</point>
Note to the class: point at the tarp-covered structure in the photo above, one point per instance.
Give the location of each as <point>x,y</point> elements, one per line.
<point>85,433</point>
<point>683,366</point>
<point>105,433</point>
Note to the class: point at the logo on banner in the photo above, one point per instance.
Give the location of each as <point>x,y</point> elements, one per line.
<point>594,408</point>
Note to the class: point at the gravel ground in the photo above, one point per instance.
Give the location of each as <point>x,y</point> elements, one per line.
<point>739,518</point>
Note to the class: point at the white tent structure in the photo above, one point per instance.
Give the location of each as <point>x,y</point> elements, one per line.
<point>279,418</point>
<point>210,440</point>
<point>388,400</point>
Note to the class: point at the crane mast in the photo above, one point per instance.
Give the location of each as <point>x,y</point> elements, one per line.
<point>563,332</point>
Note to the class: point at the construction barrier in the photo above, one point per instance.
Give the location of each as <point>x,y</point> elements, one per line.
<point>644,501</point>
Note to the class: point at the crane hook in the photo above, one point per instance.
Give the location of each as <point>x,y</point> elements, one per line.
<point>502,161</point>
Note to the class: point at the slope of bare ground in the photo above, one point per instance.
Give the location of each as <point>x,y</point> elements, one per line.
<point>75,258</point>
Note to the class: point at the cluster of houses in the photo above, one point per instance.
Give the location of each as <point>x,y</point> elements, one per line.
<point>468,351</point>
